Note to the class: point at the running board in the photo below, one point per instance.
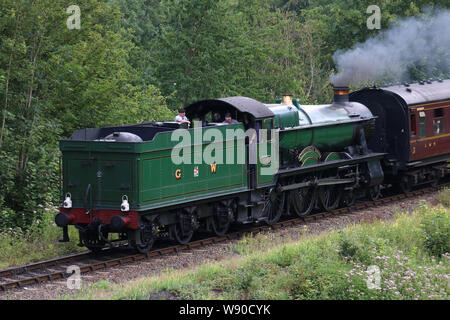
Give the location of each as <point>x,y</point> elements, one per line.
<point>315,183</point>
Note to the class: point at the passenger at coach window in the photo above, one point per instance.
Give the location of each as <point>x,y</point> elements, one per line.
<point>229,120</point>
<point>181,117</point>
<point>438,127</point>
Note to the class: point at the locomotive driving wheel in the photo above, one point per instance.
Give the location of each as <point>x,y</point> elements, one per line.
<point>303,200</point>
<point>273,205</point>
<point>374,192</point>
<point>329,196</point>
<point>348,199</point>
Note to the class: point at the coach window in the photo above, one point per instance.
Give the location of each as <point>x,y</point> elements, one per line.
<point>422,128</point>
<point>438,121</point>
<point>413,124</point>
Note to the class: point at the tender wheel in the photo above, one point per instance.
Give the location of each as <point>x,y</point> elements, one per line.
<point>303,200</point>
<point>273,205</point>
<point>182,237</point>
<point>221,220</point>
<point>183,230</point>
<point>329,197</point>
<point>147,239</point>
<point>374,192</point>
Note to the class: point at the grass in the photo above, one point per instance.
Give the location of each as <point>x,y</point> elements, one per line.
<point>411,253</point>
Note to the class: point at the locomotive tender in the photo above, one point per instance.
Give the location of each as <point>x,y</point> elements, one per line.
<point>122,180</point>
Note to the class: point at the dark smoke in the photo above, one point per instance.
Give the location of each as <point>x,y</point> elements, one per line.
<point>414,43</point>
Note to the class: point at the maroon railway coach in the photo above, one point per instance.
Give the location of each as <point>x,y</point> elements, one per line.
<point>413,128</point>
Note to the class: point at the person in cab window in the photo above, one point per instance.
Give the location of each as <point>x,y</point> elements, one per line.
<point>181,117</point>
<point>229,120</point>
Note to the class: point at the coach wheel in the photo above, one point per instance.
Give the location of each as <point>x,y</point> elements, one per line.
<point>405,184</point>
<point>374,193</point>
<point>329,197</point>
<point>273,205</point>
<point>303,200</point>
<point>434,178</point>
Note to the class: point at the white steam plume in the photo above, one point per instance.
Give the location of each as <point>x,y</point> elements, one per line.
<point>415,41</point>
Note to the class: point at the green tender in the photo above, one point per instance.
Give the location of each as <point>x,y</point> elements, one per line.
<point>145,173</point>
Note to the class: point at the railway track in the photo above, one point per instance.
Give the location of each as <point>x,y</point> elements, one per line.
<point>54,269</point>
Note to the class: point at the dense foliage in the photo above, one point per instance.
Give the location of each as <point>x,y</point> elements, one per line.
<point>138,60</point>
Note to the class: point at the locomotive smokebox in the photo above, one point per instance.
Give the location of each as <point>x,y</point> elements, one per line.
<point>340,95</point>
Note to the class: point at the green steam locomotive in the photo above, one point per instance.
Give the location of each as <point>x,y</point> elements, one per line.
<point>163,180</point>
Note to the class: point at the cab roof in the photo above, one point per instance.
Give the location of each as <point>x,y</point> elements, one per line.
<point>241,104</point>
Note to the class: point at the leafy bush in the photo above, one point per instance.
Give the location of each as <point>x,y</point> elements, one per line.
<point>40,240</point>
<point>347,246</point>
<point>353,246</point>
<point>444,197</point>
<point>436,232</point>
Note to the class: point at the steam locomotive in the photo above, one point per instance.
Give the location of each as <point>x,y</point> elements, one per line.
<point>123,181</point>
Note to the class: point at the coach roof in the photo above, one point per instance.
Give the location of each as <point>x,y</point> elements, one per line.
<point>424,91</point>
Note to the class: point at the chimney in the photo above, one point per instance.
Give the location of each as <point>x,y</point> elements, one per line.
<point>341,95</point>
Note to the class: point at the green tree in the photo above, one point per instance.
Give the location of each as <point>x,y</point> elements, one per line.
<point>207,49</point>
<point>56,80</point>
